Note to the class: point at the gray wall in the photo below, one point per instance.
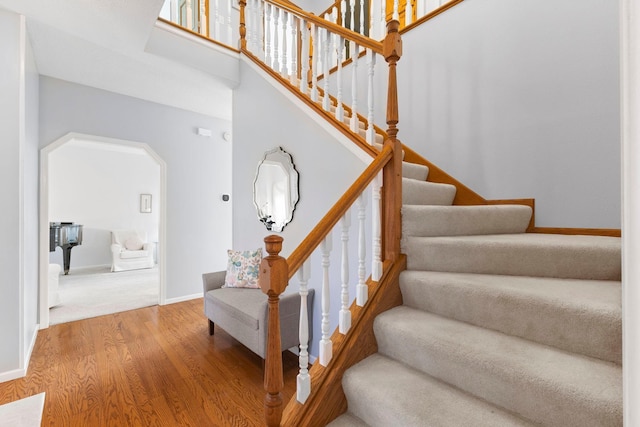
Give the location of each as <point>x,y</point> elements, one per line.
<point>326,170</point>
<point>18,192</point>
<point>521,99</point>
<point>198,169</point>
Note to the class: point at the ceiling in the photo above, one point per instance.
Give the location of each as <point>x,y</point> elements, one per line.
<point>104,44</point>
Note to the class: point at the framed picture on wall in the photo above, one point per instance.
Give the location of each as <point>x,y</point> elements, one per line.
<point>145,203</point>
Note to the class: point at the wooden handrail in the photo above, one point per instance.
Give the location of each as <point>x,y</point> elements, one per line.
<point>361,40</point>
<point>326,224</point>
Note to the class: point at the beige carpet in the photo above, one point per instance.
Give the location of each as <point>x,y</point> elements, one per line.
<point>499,327</point>
<point>98,291</point>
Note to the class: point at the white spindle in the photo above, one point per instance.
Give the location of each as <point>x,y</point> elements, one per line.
<point>371,62</point>
<point>229,26</point>
<point>326,346</point>
<point>326,40</point>
<point>248,20</point>
<point>314,63</point>
<point>303,379</point>
<point>376,266</point>
<point>362,16</point>
<point>293,30</point>
<point>354,88</point>
<point>343,10</point>
<point>408,13</point>
<point>216,19</point>
<point>395,16</point>
<point>283,23</point>
<point>276,37</point>
<point>362,290</point>
<point>352,22</point>
<point>189,9</point>
<point>345,314</point>
<point>339,107</point>
<point>304,57</point>
<point>257,23</point>
<point>268,57</point>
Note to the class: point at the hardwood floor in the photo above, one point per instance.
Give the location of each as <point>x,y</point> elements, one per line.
<point>155,366</point>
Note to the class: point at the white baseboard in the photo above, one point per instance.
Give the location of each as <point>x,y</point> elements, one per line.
<point>21,372</point>
<point>168,301</point>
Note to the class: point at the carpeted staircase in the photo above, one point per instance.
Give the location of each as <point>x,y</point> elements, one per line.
<point>499,327</point>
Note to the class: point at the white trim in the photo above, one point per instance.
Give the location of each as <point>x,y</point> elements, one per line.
<point>44,213</point>
<point>630,126</point>
<point>23,358</point>
<point>32,344</point>
<point>13,375</point>
<point>168,301</point>
<point>324,124</point>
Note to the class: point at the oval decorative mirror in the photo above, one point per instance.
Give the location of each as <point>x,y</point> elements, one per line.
<point>275,189</point>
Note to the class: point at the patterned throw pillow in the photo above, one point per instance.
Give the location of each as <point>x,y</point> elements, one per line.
<point>243,268</point>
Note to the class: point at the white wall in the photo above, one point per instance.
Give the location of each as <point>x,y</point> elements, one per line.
<point>18,192</point>
<point>326,170</point>
<point>98,185</point>
<point>198,223</point>
<point>521,99</point>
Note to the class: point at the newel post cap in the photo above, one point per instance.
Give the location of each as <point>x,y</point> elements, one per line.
<point>274,270</point>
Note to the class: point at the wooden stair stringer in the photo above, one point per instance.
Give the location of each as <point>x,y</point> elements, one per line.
<point>327,399</point>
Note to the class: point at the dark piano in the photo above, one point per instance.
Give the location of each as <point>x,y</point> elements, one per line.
<point>66,235</point>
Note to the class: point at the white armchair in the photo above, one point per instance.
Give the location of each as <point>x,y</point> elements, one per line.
<point>130,250</point>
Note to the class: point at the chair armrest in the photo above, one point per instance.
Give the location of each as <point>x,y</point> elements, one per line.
<point>211,281</point>
<point>116,248</point>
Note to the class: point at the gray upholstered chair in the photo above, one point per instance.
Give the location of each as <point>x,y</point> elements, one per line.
<point>242,313</point>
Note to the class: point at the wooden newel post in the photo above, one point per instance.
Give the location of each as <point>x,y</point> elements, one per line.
<point>392,173</point>
<point>273,279</point>
<point>243,28</point>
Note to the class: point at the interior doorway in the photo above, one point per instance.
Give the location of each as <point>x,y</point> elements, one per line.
<point>141,204</point>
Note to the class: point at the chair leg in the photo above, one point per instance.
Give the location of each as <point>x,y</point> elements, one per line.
<point>210,327</point>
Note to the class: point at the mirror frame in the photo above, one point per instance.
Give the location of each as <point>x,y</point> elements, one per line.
<point>276,157</point>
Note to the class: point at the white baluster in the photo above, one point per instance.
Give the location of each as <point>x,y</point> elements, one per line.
<point>262,29</point>
<point>395,16</point>
<point>276,37</point>
<point>376,262</point>
<point>354,89</point>
<point>248,20</point>
<point>255,45</point>
<point>283,23</point>
<point>352,9</point>
<point>339,107</point>
<point>216,19</point>
<point>304,57</point>
<point>408,13</point>
<point>189,13</point>
<point>345,313</point>
<point>362,290</point>
<point>343,10</point>
<point>229,27</point>
<point>293,70</point>
<point>203,19</point>
<point>362,17</point>
<point>371,62</point>
<point>303,379</point>
<point>174,12</point>
<point>268,57</point>
<point>325,62</point>
<point>314,63</point>
<point>326,346</point>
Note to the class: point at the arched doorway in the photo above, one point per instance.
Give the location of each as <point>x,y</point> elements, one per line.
<point>107,145</point>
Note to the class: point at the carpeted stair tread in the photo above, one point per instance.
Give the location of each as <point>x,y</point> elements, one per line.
<point>347,420</point>
<point>416,192</point>
<point>540,383</point>
<point>580,316</point>
<point>427,220</point>
<point>526,254</point>
<point>415,171</point>
<point>383,392</point>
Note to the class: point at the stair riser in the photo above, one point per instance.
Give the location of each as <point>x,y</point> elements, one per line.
<point>426,193</point>
<point>512,258</point>
<point>572,324</point>
<point>428,221</point>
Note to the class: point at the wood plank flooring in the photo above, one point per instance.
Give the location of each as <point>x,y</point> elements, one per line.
<point>155,366</point>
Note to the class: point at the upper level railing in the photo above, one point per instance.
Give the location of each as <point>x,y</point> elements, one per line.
<point>369,17</point>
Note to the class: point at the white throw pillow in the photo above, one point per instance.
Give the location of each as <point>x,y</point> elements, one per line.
<point>133,244</point>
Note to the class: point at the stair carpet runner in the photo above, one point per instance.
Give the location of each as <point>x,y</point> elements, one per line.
<point>498,327</point>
